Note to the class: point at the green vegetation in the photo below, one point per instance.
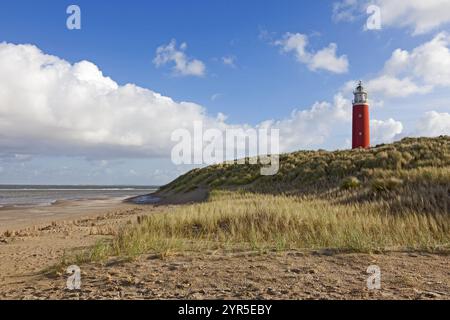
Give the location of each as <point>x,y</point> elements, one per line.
<point>390,197</point>
<point>350,183</point>
<point>413,173</point>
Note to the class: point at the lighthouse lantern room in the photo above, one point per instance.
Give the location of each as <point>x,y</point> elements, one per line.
<point>361,129</point>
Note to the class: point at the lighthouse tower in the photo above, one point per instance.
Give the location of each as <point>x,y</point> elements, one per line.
<point>361,130</point>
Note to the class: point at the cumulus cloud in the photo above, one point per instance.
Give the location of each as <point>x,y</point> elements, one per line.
<point>429,62</point>
<point>390,86</point>
<point>49,105</point>
<point>385,131</point>
<point>417,15</point>
<point>183,65</point>
<point>418,71</point>
<point>314,127</point>
<point>433,124</point>
<point>325,59</point>
<point>53,108</point>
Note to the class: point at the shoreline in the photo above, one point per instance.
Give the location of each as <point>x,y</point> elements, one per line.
<point>13,218</point>
<point>38,196</point>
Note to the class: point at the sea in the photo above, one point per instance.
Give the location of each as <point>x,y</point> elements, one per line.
<point>43,195</point>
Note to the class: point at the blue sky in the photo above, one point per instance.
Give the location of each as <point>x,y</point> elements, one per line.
<point>265,80</point>
<point>121,39</point>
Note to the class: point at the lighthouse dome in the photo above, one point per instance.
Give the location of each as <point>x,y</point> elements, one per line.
<point>360,94</point>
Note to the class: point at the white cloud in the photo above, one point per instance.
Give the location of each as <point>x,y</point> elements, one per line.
<point>390,86</point>
<point>385,131</point>
<point>418,71</point>
<point>325,59</point>
<point>50,107</point>
<point>346,10</point>
<point>420,16</point>
<point>433,124</point>
<point>229,61</point>
<point>184,66</point>
<point>429,62</point>
<point>315,127</point>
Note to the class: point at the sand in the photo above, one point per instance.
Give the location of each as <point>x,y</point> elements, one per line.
<point>32,239</point>
<point>17,218</point>
<point>35,244</point>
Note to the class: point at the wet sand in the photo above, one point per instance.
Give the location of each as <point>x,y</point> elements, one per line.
<point>16,218</point>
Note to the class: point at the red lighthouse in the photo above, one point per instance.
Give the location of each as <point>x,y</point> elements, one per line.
<point>361,130</point>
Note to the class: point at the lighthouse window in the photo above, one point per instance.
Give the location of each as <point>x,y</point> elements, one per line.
<point>360,115</point>
<point>360,133</point>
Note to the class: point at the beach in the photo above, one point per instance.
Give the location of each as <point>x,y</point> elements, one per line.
<point>35,246</point>
<point>33,239</point>
<point>16,218</point>
<point>24,206</point>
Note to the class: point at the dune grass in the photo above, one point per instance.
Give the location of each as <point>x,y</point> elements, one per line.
<point>392,197</point>
<point>248,221</point>
<point>318,171</point>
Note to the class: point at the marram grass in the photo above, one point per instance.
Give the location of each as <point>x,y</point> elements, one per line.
<point>391,197</point>
<point>247,221</point>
